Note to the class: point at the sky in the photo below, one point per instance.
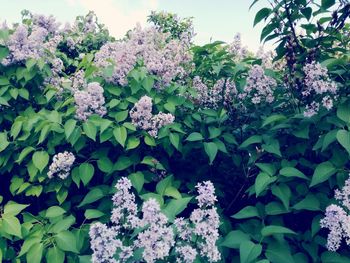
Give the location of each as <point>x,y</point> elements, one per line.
<point>213,20</point>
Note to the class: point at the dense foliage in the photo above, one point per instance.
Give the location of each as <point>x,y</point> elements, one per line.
<point>110,149</point>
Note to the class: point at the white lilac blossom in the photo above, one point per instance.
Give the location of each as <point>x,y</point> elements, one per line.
<point>259,87</point>
<point>162,57</point>
<point>206,221</point>
<point>318,84</point>
<point>222,92</point>
<point>55,79</point>
<point>155,235</point>
<point>186,254</point>
<point>61,165</point>
<point>237,49</point>
<point>158,238</point>
<point>104,243</point>
<point>89,101</point>
<point>142,117</point>
<point>337,220</point>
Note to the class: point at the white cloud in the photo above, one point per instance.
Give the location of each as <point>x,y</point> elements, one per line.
<point>118,15</point>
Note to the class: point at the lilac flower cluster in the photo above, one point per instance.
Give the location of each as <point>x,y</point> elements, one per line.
<point>55,79</point>
<point>337,220</point>
<point>61,165</point>
<point>142,117</point>
<point>32,41</point>
<point>318,84</point>
<point>259,87</point>
<point>222,92</point>
<point>267,60</point>
<point>236,48</point>
<point>89,101</point>
<point>163,57</point>
<point>157,236</point>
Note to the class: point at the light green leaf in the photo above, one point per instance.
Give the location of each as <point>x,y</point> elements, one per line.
<point>211,149</point>
<point>65,240</point>
<point>194,136</point>
<point>292,172</point>
<point>86,172</point>
<point>40,160</point>
<point>343,138</point>
<point>120,134</point>
<point>90,130</point>
<point>272,230</point>
<point>3,141</point>
<point>54,211</point>
<point>249,252</point>
<point>322,172</point>
<point>247,212</point>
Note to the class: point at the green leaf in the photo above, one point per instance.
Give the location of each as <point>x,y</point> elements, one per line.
<point>137,179</point>
<point>272,230</point>
<point>11,225</point>
<point>54,211</point>
<point>120,134</point>
<point>35,253</point>
<point>105,165</point>
<point>93,213</point>
<point>133,142</point>
<point>40,160</point>
<point>69,127</point>
<point>194,136</point>
<point>247,212</point>
<point>310,202</point>
<point>27,150</point>
<point>306,12</point>
<point>163,184</point>
<point>4,81</point>
<point>234,239</point>
<point>249,252</point>
<point>283,192</point>
<point>273,118</point>
<point>211,149</point>
<point>327,3</point>
<point>172,192</point>
<point>3,141</point>
<point>92,196</point>
<point>175,207</point>
<point>251,140</point>
<point>343,112</point>
<point>273,147</point>
<point>63,224</point>
<point>28,243</point>
<point>268,168</point>
<point>262,181</point>
<point>55,255</point>
<point>262,14</point>
<point>16,129</point>
<point>13,209</point>
<point>322,173</point>
<point>214,132</point>
<point>86,172</point>
<point>292,172</point>
<point>343,138</point>
<point>122,163</point>
<point>90,130</point>
<point>65,240</point>
<point>175,140</point>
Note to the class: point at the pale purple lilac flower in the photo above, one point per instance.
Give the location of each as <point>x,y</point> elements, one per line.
<point>89,101</point>
<point>47,22</point>
<point>61,165</point>
<point>186,254</point>
<point>337,220</point>
<point>142,117</point>
<point>318,84</point>
<point>237,49</point>
<point>222,92</point>
<point>104,243</point>
<point>259,87</point>
<point>162,57</point>
<point>158,238</point>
